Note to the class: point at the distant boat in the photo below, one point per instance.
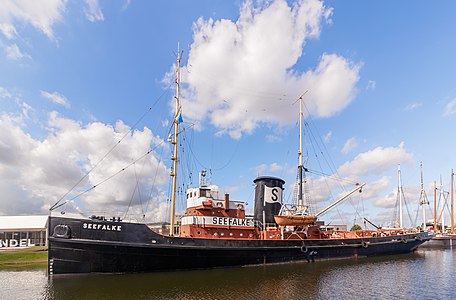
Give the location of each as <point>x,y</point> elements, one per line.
<point>215,232</point>
<point>442,237</point>
<point>442,240</point>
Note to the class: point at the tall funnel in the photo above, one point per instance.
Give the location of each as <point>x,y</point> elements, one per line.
<point>268,198</point>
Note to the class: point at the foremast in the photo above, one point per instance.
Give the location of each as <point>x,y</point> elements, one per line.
<point>174,142</point>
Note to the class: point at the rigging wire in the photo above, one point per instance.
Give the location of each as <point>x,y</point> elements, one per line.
<point>108,178</point>
<point>56,205</point>
<point>190,148</point>
<point>330,163</point>
<point>137,188</point>
<point>322,149</point>
<point>319,148</point>
<point>153,182</point>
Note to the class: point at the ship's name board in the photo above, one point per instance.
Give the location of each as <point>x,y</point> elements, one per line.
<point>219,221</point>
<point>231,221</point>
<point>106,227</point>
<point>16,243</point>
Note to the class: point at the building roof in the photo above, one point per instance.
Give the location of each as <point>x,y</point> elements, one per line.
<point>22,222</point>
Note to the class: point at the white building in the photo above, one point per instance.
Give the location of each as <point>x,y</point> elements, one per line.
<point>23,231</point>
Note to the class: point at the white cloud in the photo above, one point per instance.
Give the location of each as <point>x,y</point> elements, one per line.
<point>13,52</point>
<point>368,167</point>
<point>22,106</point>
<point>350,145</point>
<point>371,85</point>
<point>35,173</point>
<point>271,168</point>
<point>4,93</point>
<point>410,194</point>
<point>40,14</point>
<point>275,167</point>
<point>25,108</point>
<point>240,74</point>
<point>56,98</point>
<point>327,137</point>
<point>450,108</point>
<point>126,5</point>
<point>376,161</point>
<point>389,204</point>
<point>8,30</point>
<point>261,169</point>
<point>413,106</point>
<point>374,188</point>
<point>93,11</point>
<point>273,138</point>
<point>372,164</point>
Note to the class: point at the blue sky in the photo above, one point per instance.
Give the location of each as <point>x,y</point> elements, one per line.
<point>76,76</point>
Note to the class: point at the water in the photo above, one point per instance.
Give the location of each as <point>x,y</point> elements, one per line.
<point>425,274</point>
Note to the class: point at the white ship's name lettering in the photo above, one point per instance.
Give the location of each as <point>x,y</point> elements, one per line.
<point>106,227</point>
<point>231,221</point>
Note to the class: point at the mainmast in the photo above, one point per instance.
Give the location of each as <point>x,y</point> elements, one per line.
<point>300,165</point>
<point>174,141</point>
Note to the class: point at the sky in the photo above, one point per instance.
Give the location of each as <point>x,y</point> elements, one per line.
<point>87,87</point>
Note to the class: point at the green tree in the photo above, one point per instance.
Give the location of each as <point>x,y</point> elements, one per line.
<point>355,227</point>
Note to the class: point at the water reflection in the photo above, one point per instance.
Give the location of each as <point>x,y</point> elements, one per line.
<point>323,280</point>
<point>29,284</point>
<point>391,277</point>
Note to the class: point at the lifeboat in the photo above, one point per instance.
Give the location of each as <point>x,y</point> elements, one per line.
<point>295,220</point>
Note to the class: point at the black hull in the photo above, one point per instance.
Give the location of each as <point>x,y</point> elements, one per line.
<point>138,249</point>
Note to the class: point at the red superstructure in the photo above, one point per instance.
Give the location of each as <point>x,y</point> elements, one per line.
<point>208,216</point>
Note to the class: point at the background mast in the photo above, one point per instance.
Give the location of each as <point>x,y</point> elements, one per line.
<point>423,197</point>
<point>399,193</point>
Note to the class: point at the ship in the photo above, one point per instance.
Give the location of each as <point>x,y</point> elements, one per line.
<point>443,237</point>
<point>216,231</point>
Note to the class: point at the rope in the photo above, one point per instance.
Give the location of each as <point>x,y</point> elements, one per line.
<point>108,178</point>
<point>56,205</point>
